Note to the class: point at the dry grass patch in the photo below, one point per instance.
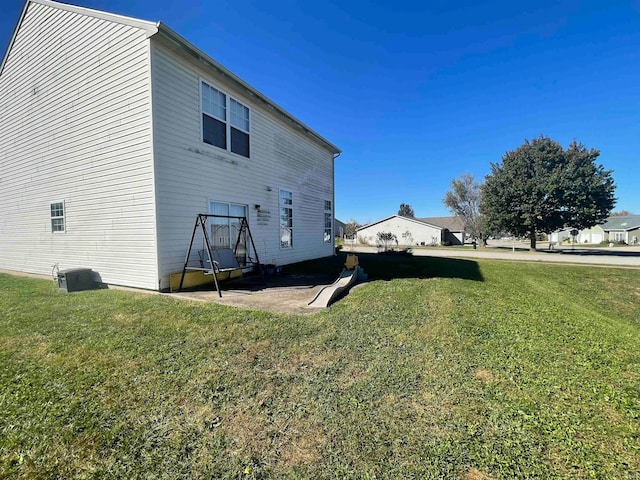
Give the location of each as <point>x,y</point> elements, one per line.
<point>484,376</point>
<point>476,474</point>
<point>302,447</point>
<point>352,374</point>
<point>276,440</point>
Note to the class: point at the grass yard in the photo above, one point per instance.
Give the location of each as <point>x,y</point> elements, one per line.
<point>438,369</point>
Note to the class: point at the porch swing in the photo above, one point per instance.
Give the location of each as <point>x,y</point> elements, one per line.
<point>220,262</point>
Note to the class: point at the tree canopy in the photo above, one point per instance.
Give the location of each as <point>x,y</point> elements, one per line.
<point>406,210</point>
<point>463,200</point>
<point>541,187</point>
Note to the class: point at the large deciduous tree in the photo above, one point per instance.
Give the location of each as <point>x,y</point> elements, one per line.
<point>540,187</point>
<point>463,200</point>
<point>406,210</point>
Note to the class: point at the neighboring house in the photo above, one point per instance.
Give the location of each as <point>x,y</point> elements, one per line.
<point>415,231</point>
<point>593,235</point>
<point>623,229</point>
<point>615,229</point>
<point>339,228</point>
<point>453,228</point>
<point>115,132</point>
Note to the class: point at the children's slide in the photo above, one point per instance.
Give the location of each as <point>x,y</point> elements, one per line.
<point>328,294</point>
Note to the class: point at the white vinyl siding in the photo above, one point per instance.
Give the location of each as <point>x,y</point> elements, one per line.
<point>75,124</point>
<point>189,172</point>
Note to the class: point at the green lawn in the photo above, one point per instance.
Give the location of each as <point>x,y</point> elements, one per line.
<point>438,369</point>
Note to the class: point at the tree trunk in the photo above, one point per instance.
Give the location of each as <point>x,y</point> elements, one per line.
<point>532,237</point>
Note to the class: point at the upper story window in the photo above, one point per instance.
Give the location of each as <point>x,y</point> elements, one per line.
<point>239,128</point>
<point>57,217</point>
<point>214,116</point>
<point>224,119</point>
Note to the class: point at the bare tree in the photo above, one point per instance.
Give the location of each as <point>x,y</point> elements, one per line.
<point>386,240</point>
<point>351,228</point>
<point>463,200</point>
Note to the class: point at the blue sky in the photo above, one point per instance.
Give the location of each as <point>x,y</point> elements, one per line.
<point>417,93</point>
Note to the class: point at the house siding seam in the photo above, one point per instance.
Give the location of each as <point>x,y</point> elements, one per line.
<point>190,173</point>
<point>75,125</point>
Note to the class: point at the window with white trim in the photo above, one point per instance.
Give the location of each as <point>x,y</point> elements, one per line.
<point>328,221</point>
<point>223,119</point>
<point>286,219</point>
<point>57,217</point>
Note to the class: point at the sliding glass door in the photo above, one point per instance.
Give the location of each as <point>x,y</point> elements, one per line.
<point>225,230</point>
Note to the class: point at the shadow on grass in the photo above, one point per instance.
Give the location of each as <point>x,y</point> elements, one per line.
<point>323,271</point>
<point>382,266</point>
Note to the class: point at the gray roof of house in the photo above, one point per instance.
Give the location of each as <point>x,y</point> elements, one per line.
<point>453,224</point>
<point>624,223</point>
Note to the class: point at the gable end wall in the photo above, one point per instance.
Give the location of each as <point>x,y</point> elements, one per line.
<point>406,231</point>
<point>75,126</point>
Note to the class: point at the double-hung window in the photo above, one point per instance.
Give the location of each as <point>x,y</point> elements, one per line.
<point>225,121</point>
<point>328,221</point>
<point>239,128</point>
<point>57,217</point>
<point>286,219</point>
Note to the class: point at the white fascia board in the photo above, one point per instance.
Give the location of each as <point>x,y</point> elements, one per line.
<point>415,220</point>
<point>151,28</point>
<point>375,223</point>
<point>198,54</point>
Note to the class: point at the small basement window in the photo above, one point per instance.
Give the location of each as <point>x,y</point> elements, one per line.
<point>57,217</point>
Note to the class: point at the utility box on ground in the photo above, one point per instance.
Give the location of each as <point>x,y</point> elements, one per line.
<point>77,279</point>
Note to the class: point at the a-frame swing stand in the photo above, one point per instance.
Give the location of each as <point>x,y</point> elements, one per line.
<point>219,260</point>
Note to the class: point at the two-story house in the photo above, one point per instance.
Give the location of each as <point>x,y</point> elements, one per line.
<point>115,132</point>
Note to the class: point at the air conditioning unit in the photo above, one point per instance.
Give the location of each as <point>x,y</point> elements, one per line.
<point>77,279</point>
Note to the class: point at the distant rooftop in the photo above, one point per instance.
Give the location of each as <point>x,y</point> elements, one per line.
<point>626,222</point>
<point>453,224</point>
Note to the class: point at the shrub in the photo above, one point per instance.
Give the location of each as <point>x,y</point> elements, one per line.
<point>386,240</point>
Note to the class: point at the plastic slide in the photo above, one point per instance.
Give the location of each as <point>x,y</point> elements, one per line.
<point>328,294</point>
